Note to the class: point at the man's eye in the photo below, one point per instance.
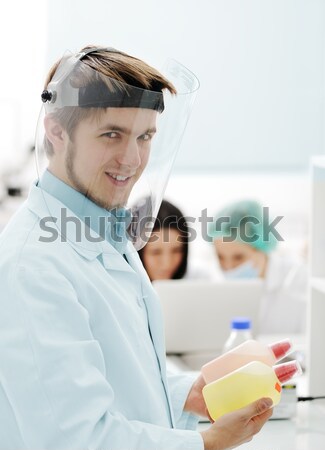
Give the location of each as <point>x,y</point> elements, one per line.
<point>111,134</point>
<point>145,137</point>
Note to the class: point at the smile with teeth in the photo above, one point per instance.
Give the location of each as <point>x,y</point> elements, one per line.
<point>118,178</point>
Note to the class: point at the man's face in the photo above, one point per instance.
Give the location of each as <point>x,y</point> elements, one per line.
<point>107,154</point>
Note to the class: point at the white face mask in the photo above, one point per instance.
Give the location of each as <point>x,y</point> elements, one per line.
<point>245,270</point>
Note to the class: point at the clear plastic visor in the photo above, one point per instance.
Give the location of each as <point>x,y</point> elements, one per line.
<point>110,148</point>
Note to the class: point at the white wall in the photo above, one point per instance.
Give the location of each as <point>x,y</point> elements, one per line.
<point>23,35</point>
<point>260,62</point>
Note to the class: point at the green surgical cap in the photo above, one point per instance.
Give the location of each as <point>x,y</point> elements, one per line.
<point>244,221</point>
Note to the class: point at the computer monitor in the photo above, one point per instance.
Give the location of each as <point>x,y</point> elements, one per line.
<point>197,314</point>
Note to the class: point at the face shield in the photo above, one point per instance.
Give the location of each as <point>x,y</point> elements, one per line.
<point>112,142</point>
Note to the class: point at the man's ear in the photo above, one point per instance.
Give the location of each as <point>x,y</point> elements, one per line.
<point>55,133</point>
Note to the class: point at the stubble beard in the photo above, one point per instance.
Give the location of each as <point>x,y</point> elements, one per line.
<point>77,183</point>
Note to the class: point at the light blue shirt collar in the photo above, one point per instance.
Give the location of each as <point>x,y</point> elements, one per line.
<point>110,225</point>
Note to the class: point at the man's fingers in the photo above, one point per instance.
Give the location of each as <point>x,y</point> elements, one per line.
<point>256,408</point>
<point>260,420</point>
<point>261,406</point>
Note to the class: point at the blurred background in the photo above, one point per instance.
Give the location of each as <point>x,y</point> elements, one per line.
<point>259,115</point>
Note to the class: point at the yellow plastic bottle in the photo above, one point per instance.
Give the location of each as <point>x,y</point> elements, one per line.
<point>247,384</point>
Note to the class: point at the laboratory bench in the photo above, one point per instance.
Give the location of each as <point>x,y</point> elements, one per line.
<point>305,431</point>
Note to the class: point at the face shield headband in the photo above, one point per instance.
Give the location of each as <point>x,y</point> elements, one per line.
<point>100,92</point>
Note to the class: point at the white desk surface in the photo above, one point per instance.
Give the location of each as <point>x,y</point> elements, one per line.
<point>306,431</point>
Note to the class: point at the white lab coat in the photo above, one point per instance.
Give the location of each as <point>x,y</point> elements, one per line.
<point>284,302</point>
<point>82,357</point>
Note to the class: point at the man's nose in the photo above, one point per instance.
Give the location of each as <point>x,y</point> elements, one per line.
<point>130,155</point>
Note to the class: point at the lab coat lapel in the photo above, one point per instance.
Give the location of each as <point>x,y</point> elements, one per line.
<point>155,321</point>
<point>152,304</point>
<point>113,260</point>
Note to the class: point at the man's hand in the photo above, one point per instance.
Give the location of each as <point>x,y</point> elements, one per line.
<point>195,401</point>
<point>237,427</point>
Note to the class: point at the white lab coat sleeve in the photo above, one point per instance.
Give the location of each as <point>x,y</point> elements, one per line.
<point>179,386</point>
<point>53,373</point>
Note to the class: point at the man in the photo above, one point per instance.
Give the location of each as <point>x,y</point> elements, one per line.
<point>82,347</point>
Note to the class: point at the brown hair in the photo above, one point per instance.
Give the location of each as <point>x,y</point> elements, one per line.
<point>115,65</point>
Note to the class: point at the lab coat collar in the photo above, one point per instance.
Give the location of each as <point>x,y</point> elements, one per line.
<point>109,224</point>
<point>57,216</point>
<point>150,299</point>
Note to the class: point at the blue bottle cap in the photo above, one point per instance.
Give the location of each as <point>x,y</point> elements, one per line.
<point>240,323</point>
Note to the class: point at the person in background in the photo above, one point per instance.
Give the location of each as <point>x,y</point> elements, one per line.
<point>245,250</point>
<point>166,255</point>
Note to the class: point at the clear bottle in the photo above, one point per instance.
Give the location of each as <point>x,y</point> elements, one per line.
<point>244,353</point>
<point>247,384</point>
<point>240,332</point>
